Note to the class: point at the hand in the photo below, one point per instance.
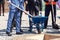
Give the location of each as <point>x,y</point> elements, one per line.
<point>49,0</point>
<point>35,0</point>
<point>52,0</point>
<point>8,2</point>
<point>26,2</point>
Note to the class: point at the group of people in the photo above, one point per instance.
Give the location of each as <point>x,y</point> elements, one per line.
<point>2,2</point>
<point>34,7</point>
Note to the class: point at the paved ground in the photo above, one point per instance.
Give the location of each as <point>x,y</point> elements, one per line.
<point>25,24</point>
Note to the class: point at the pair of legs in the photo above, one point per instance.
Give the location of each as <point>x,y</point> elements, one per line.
<point>14,13</point>
<point>14,22</point>
<point>48,8</point>
<point>30,21</point>
<point>2,6</point>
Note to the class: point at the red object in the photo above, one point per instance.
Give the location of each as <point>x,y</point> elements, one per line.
<point>47,3</point>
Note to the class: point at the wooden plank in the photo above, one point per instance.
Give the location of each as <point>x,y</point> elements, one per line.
<point>51,36</point>
<point>30,37</point>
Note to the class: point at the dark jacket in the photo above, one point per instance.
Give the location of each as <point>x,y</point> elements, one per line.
<point>2,1</point>
<point>31,5</point>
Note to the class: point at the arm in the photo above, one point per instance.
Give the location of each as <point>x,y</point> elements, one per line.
<point>9,0</point>
<point>45,0</point>
<point>55,0</point>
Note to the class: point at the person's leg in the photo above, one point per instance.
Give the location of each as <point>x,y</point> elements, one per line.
<point>40,6</point>
<point>30,21</point>
<point>47,10</point>
<point>18,20</point>
<point>13,22</point>
<point>36,13</point>
<point>21,19</point>
<point>38,28</point>
<point>54,25</point>
<point>3,8</point>
<point>53,13</point>
<point>0,9</point>
<point>37,24</point>
<point>9,24</point>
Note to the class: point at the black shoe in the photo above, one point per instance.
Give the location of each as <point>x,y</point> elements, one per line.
<point>8,33</point>
<point>55,26</point>
<point>21,30</point>
<point>19,33</point>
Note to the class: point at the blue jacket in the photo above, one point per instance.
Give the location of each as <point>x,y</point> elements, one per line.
<point>17,3</point>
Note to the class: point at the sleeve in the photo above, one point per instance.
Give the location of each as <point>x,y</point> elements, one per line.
<point>45,0</point>
<point>9,0</point>
<point>56,0</point>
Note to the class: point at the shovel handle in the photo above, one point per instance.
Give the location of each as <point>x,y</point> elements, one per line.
<point>20,9</point>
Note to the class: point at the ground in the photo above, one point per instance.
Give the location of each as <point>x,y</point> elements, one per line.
<point>25,26</point>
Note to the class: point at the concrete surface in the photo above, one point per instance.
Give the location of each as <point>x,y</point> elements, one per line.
<point>25,24</point>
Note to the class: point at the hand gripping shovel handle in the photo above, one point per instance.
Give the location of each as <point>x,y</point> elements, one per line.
<point>20,9</point>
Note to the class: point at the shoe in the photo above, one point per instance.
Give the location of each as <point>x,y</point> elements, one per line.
<point>55,26</point>
<point>19,33</point>
<point>39,31</point>
<point>8,33</point>
<point>21,30</point>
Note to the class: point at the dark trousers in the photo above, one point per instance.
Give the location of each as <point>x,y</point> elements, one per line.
<point>40,5</point>
<point>32,13</point>
<point>2,6</point>
<point>48,8</point>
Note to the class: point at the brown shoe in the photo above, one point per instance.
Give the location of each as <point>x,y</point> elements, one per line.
<point>39,32</point>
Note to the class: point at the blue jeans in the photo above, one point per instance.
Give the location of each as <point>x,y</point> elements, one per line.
<point>14,12</point>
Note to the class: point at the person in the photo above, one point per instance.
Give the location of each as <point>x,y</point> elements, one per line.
<point>58,3</point>
<point>32,7</point>
<point>40,6</point>
<point>2,2</point>
<point>14,12</point>
<point>48,8</point>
